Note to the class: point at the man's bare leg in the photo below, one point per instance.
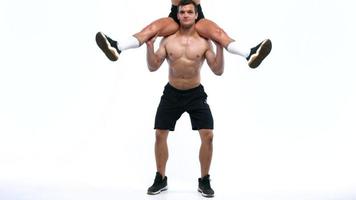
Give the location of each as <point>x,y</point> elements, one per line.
<point>205,156</point>
<point>211,30</point>
<point>161,155</point>
<point>206,150</point>
<point>161,27</point>
<point>254,56</point>
<point>161,151</point>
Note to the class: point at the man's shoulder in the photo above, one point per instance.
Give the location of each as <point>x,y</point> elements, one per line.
<point>199,38</point>
<point>168,38</point>
<point>202,40</point>
<point>174,35</point>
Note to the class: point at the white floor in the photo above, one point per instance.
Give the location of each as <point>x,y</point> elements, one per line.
<point>76,193</point>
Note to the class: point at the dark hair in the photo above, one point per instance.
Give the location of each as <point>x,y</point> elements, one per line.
<point>187,2</point>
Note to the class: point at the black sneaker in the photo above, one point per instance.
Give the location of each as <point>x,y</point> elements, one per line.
<point>108,46</point>
<point>204,187</point>
<point>159,185</point>
<point>258,53</point>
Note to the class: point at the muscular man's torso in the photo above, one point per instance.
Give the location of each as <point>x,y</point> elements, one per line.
<point>185,56</point>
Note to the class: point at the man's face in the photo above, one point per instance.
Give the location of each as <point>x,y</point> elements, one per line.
<point>187,15</point>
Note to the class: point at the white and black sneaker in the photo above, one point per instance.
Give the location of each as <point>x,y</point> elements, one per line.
<point>204,187</point>
<point>108,46</point>
<point>159,185</point>
<point>258,53</point>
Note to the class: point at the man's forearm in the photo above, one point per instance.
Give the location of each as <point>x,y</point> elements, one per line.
<point>219,60</point>
<point>152,59</point>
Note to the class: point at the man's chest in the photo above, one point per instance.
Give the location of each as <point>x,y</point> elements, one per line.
<point>189,48</point>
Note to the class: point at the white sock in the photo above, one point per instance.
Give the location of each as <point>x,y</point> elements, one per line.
<point>128,43</point>
<point>234,48</point>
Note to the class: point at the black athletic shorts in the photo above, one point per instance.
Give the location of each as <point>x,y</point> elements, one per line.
<point>174,12</point>
<point>175,102</point>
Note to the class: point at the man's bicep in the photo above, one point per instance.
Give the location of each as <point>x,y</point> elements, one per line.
<point>161,51</point>
<point>209,54</point>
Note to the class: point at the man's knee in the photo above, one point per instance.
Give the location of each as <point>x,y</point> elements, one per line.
<point>161,135</point>
<point>206,135</point>
<point>151,29</point>
<point>175,2</point>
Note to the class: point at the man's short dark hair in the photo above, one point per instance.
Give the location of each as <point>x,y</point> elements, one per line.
<point>187,2</point>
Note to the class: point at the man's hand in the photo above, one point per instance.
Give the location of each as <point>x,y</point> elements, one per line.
<point>215,60</point>
<point>217,44</point>
<point>151,41</point>
<point>155,59</point>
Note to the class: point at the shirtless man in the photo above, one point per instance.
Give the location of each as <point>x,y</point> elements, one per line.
<point>185,52</point>
<point>169,25</point>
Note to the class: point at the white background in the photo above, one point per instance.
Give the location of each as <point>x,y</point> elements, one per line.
<point>74,125</point>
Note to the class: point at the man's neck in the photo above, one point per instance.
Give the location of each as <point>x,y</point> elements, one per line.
<point>187,31</point>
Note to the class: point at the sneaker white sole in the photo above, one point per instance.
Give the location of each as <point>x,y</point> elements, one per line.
<point>261,53</point>
<point>159,191</point>
<point>205,195</point>
<point>105,46</point>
